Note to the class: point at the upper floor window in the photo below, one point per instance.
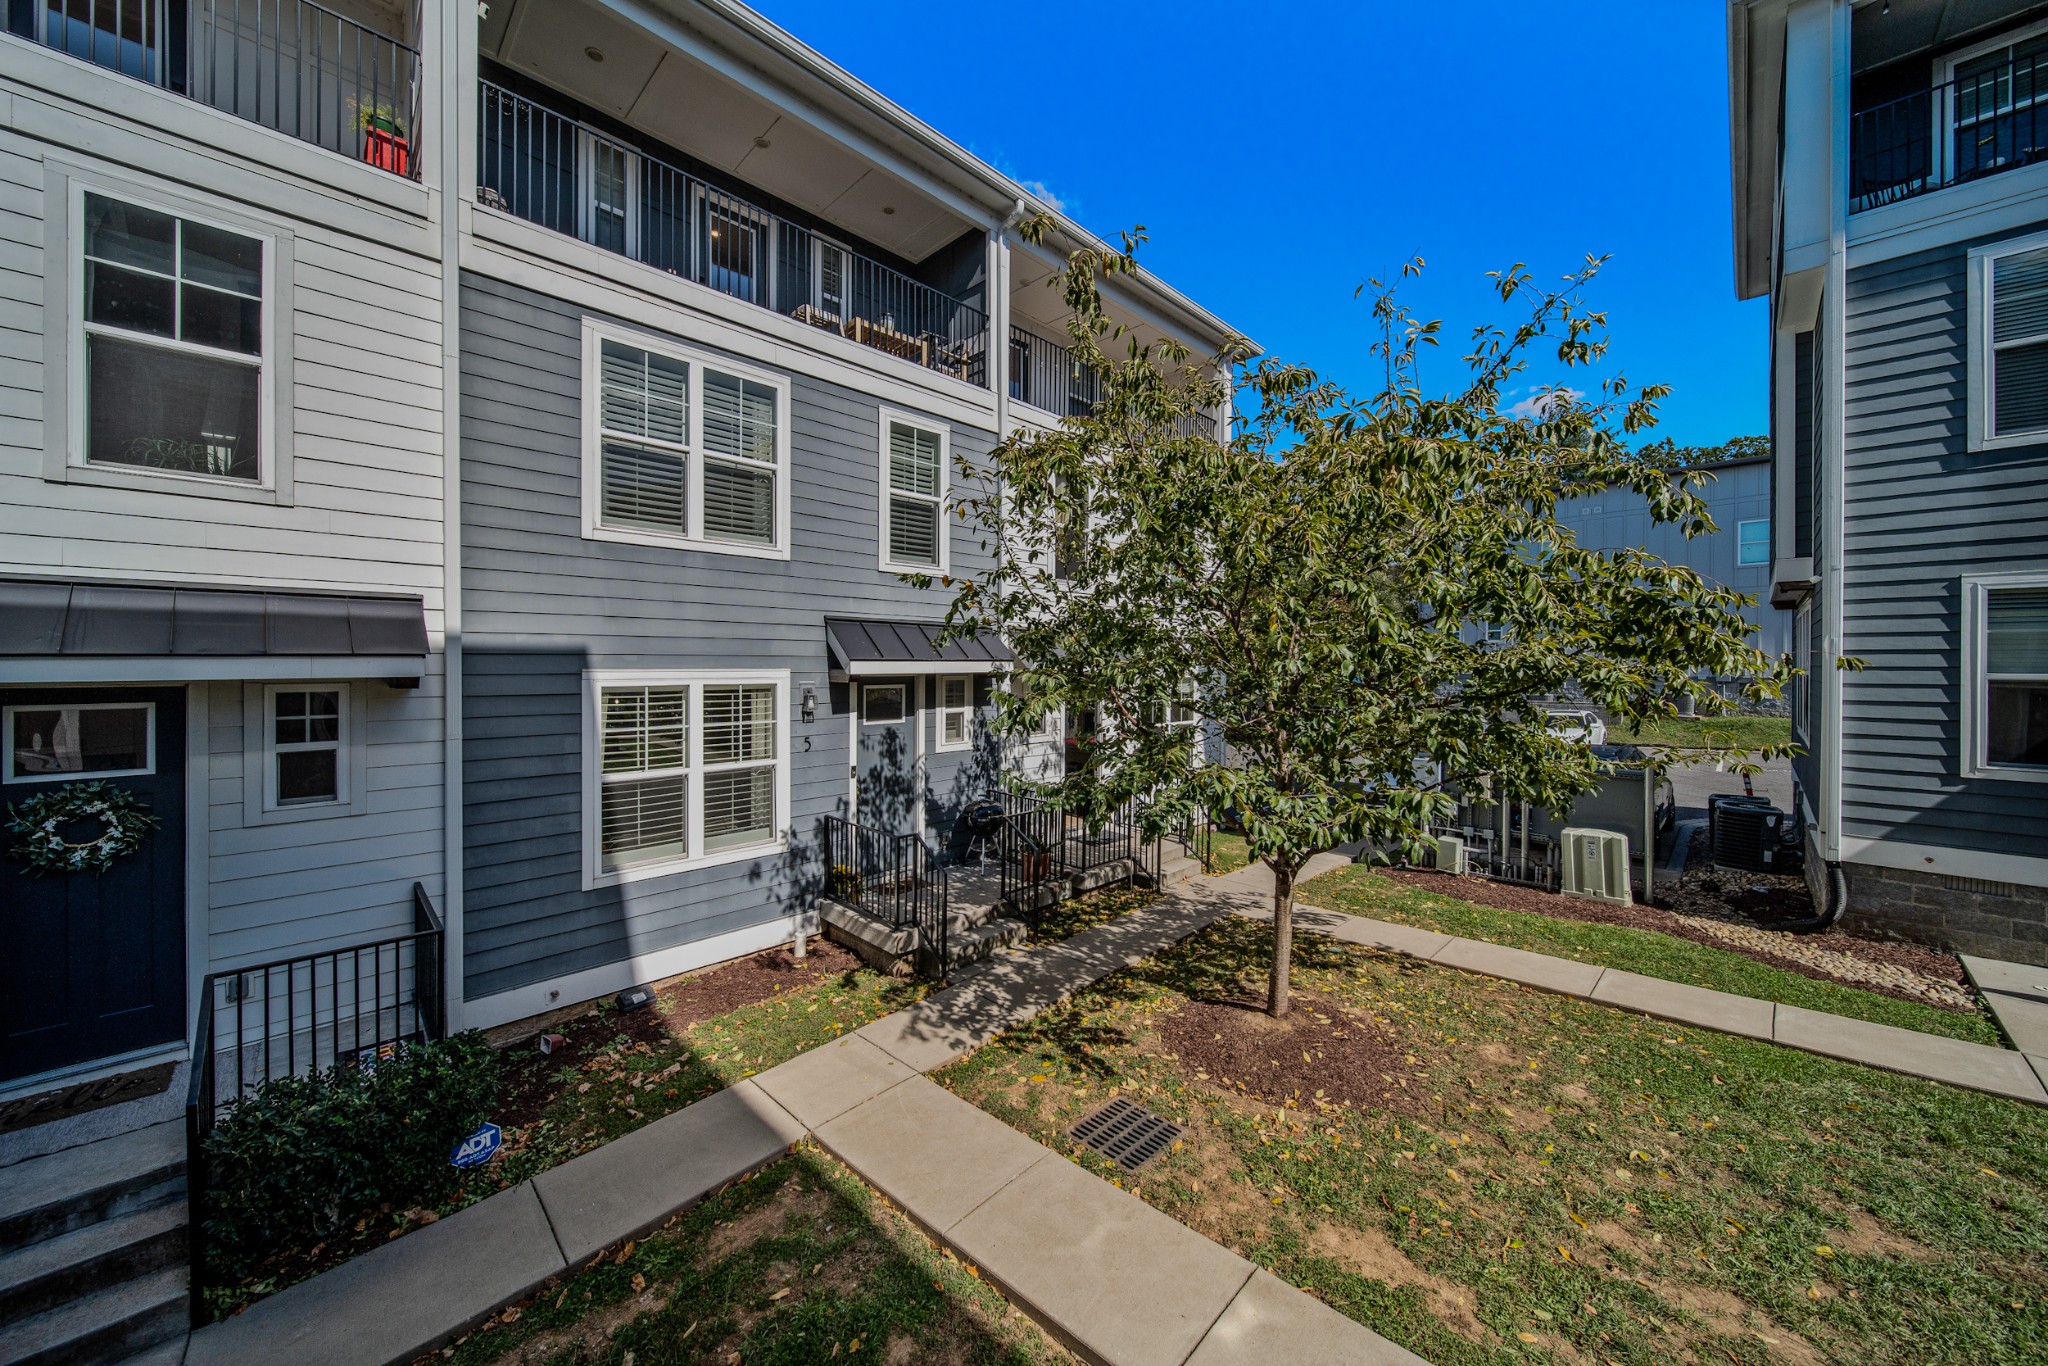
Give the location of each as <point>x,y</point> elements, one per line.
<point>683,449</point>
<point>171,336</point>
<point>913,494</point>
<point>1753,541</point>
<point>2008,287</point>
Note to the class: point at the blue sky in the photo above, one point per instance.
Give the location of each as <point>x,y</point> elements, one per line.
<point>1280,157</point>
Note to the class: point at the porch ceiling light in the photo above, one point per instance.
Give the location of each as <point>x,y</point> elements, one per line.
<point>596,54</point>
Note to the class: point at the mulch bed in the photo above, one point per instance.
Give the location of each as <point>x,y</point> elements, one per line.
<point>679,1002</point>
<point>1508,897</point>
<point>1319,1052</point>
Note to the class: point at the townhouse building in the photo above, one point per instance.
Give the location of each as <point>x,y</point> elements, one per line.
<point>1736,554</point>
<point>459,464</point>
<point>1891,200</point>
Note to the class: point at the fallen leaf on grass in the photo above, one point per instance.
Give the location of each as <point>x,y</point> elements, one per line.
<point>639,1283</point>
<point>1824,1250</point>
<point>781,1294</point>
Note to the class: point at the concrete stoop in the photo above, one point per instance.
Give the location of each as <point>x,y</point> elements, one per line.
<point>93,1250</point>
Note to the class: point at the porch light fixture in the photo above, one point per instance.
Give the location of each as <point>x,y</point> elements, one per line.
<point>810,704</point>
<point>596,54</point>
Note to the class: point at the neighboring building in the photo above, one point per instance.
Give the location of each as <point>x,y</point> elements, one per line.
<point>1737,554</point>
<point>459,461</point>
<point>1891,198</point>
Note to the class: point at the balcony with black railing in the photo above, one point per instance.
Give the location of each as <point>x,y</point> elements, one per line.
<point>1990,118</point>
<point>1050,378</point>
<point>563,174</point>
<point>337,78</point>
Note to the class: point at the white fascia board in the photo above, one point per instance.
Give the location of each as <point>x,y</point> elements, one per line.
<point>40,669</point>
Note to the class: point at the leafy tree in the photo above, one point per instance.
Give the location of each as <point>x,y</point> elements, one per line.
<point>1672,456</point>
<point>1321,582</point>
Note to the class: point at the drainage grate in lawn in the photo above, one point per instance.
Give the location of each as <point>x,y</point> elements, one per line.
<point>1127,1134</point>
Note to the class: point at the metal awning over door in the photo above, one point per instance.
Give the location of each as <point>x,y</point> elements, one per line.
<point>867,646</point>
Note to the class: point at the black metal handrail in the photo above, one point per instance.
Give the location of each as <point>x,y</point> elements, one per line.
<point>894,879</point>
<point>572,178</point>
<point>1977,125</point>
<point>1040,843</point>
<point>293,66</point>
<point>299,1016</point>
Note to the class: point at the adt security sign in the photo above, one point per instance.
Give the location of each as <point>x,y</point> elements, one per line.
<point>479,1148</point>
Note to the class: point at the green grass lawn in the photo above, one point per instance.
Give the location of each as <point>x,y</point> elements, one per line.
<point>798,1264</point>
<point>1747,732</point>
<point>1227,852</point>
<point>1359,891</point>
<point>1531,1177</point>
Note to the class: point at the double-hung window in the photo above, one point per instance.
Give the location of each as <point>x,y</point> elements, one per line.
<point>914,456</point>
<point>170,342</point>
<point>2008,296</point>
<point>308,739</point>
<point>682,449</point>
<point>956,711</point>
<point>2006,626</point>
<point>681,770</point>
<point>1753,542</point>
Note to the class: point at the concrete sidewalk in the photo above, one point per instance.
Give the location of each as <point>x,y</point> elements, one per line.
<point>1975,1066</point>
<point>1113,1278</point>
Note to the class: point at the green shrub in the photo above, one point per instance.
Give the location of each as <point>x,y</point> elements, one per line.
<point>302,1157</point>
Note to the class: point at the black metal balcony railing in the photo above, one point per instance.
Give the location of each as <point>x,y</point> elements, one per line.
<point>289,65</point>
<point>1047,376</point>
<point>894,879</point>
<point>1976,125</point>
<point>564,175</point>
<point>299,1016</point>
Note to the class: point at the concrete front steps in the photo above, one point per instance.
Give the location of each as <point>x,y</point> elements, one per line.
<point>973,933</point>
<point>93,1251</point>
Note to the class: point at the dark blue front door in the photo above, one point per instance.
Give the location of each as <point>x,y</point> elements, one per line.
<point>95,963</point>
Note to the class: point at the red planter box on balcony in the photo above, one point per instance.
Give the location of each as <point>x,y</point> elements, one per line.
<point>387,151</point>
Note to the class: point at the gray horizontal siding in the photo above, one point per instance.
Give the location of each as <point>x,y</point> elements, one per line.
<point>541,605</point>
<point>1921,510</point>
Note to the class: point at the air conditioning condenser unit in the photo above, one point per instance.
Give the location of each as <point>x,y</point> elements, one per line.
<point>1595,864</point>
<point>1450,855</point>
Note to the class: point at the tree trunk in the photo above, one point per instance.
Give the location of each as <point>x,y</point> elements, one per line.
<point>1283,937</point>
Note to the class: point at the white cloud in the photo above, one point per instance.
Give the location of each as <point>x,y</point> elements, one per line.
<point>1537,404</point>
<point>1045,195</point>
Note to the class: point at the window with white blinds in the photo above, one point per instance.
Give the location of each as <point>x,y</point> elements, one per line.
<point>683,769</point>
<point>2019,343</point>
<point>914,495</point>
<point>956,712</point>
<point>683,449</point>
<point>2015,695</point>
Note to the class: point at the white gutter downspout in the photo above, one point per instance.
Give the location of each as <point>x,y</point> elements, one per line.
<point>1834,447</point>
<point>456,68</point>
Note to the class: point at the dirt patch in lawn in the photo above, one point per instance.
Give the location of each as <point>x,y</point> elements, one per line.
<point>1319,1052</point>
<point>768,1219</point>
<point>531,1084</point>
<point>1940,967</point>
<point>1370,1253</point>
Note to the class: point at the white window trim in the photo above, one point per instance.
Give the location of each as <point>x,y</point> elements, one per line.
<point>966,714</point>
<point>1976,689</point>
<point>897,417</point>
<point>587,143</point>
<point>758,221</point>
<point>595,334</point>
<point>595,681</point>
<point>1802,686</point>
<point>9,776</point>
<point>1740,527</point>
<point>820,244</point>
<point>1980,374</point>
<point>271,748</point>
<point>908,709</point>
<point>259,765</point>
<point>67,379</point>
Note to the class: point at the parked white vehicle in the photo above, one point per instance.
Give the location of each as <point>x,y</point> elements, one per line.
<point>1579,725</point>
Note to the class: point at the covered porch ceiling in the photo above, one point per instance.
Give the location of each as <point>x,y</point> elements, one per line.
<point>691,100</point>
